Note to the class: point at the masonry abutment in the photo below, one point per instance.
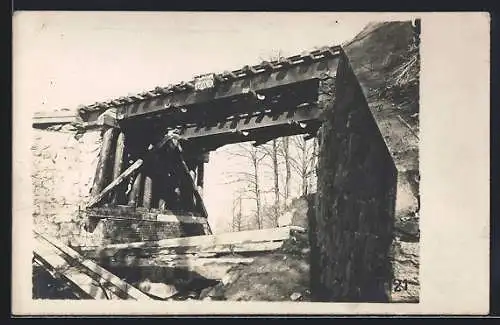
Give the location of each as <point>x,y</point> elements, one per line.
<point>355,197</point>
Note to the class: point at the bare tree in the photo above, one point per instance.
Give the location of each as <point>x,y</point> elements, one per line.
<point>254,156</point>
<point>303,162</point>
<point>272,152</point>
<point>285,152</point>
<point>237,221</point>
<point>274,157</point>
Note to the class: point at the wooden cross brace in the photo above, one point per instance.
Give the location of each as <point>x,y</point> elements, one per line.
<point>171,141</point>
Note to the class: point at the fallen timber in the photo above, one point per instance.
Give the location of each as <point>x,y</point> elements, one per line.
<point>208,257</point>
<point>87,279</point>
<point>243,241</point>
<point>42,120</point>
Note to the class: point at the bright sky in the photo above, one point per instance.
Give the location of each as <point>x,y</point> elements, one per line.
<point>65,59</point>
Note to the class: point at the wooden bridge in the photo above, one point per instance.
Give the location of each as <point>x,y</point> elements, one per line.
<point>154,150</point>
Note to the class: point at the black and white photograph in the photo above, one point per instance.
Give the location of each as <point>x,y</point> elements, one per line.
<point>223,157</point>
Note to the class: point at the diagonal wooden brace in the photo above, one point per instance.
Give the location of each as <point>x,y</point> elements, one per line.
<point>128,172</point>
<point>174,147</point>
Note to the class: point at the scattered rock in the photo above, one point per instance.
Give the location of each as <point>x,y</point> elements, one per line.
<point>159,290</point>
<point>56,127</point>
<point>295,296</point>
<point>213,293</point>
<point>68,128</point>
<point>229,278</point>
<point>192,294</point>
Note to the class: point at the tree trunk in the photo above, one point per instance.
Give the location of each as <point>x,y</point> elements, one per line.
<point>304,171</point>
<point>288,176</point>
<point>276,183</point>
<point>240,213</point>
<point>257,192</point>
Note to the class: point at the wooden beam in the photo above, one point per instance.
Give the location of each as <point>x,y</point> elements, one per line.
<point>177,151</point>
<point>43,119</point>
<point>133,196</point>
<point>103,163</point>
<point>48,257</point>
<point>256,247</point>
<point>251,236</point>
<point>79,277</point>
<point>147,192</point>
<point>118,163</point>
<point>136,214</point>
<point>39,122</point>
<point>200,176</point>
<point>128,172</point>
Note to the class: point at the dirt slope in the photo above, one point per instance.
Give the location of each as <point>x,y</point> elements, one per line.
<point>385,58</point>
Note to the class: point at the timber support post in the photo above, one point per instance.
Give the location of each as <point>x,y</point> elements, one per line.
<point>118,164</point>
<point>104,162</point>
<point>133,198</point>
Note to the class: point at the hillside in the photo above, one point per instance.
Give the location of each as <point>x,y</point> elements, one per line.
<point>385,57</point>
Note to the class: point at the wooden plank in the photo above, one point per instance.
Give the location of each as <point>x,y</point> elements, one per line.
<point>52,120</point>
<point>227,249</point>
<point>130,290</point>
<point>128,172</point>
<point>251,236</point>
<point>43,119</point>
<point>48,256</point>
<point>92,252</point>
<point>43,265</point>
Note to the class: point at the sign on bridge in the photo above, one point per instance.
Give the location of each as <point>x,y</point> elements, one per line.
<point>203,82</point>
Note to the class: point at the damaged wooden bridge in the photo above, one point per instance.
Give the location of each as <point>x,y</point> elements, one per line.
<point>149,178</point>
